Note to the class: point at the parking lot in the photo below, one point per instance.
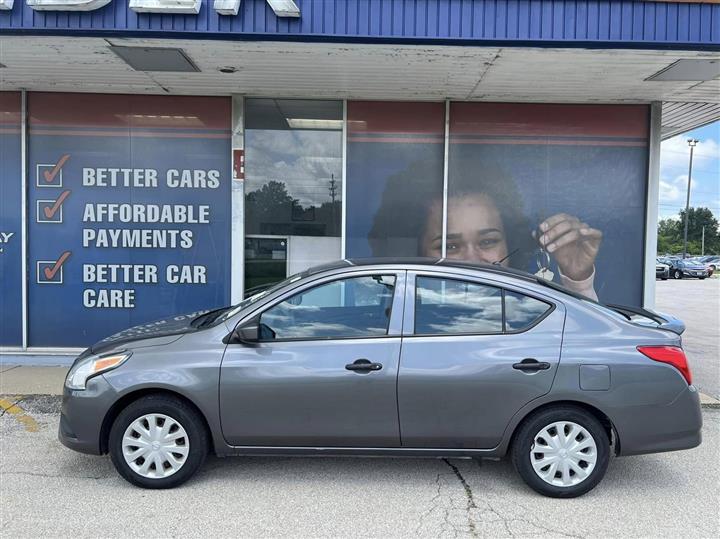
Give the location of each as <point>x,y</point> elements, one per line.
<point>697,303</point>
<point>47,490</point>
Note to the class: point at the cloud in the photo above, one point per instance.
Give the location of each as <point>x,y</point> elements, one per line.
<point>675,156</point>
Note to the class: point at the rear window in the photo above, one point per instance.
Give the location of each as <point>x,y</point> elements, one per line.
<point>455,307</point>
<point>522,311</point>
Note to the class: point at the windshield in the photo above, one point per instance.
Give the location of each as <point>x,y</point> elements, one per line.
<point>232,311</point>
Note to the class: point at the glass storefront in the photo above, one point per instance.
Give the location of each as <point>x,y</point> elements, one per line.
<point>132,213</point>
<point>293,187</point>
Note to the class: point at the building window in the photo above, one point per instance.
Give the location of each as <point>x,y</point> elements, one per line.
<point>293,184</point>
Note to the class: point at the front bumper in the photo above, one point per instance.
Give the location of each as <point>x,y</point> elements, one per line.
<point>82,415</point>
<point>662,273</point>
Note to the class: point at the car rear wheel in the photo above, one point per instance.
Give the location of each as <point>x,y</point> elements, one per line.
<point>561,452</point>
<point>677,274</point>
<point>158,441</point>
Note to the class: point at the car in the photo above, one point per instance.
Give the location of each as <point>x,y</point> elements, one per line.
<point>712,262</point>
<point>680,269</point>
<point>399,357</point>
<point>662,271</point>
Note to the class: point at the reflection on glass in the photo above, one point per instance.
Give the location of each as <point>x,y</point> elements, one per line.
<point>357,307</point>
<point>446,307</point>
<point>293,167</point>
<point>521,311</point>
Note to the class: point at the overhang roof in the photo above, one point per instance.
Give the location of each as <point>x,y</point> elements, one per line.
<point>362,71</point>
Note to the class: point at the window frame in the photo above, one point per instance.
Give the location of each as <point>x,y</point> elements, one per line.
<point>396,305</point>
<point>411,298</point>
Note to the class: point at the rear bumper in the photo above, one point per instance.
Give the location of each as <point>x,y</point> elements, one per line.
<point>654,429</point>
<point>82,415</point>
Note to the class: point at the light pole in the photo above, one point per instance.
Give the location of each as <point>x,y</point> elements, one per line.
<point>691,142</point>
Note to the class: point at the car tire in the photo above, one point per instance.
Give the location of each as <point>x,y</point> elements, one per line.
<point>677,274</point>
<point>594,454</point>
<point>178,459</point>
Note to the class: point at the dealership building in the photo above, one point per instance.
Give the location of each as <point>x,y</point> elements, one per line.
<point>160,157</point>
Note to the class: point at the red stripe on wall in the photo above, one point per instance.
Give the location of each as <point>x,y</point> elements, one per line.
<point>10,103</point>
<point>399,139</point>
<point>550,142</point>
<point>128,133</point>
<point>529,119</point>
<point>139,111</point>
<point>396,117</point>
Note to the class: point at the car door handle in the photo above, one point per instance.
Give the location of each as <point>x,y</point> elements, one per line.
<point>363,365</point>
<point>530,364</point>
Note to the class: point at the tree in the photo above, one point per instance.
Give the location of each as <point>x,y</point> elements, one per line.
<point>670,233</point>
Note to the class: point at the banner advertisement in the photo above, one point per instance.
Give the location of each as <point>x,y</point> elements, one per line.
<point>555,190</point>
<point>395,156</point>
<point>10,220</point>
<point>129,212</point>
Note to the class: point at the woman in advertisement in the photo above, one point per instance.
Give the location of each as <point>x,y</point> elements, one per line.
<point>486,223</point>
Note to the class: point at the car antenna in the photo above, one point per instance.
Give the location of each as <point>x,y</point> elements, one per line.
<point>503,259</point>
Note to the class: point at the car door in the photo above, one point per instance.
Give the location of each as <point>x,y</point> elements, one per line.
<point>474,352</point>
<point>324,372</point>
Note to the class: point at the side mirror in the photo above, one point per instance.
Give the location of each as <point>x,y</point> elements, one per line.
<point>248,333</point>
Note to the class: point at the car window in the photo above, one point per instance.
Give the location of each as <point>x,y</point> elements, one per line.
<point>522,311</point>
<point>347,308</point>
<point>448,306</point>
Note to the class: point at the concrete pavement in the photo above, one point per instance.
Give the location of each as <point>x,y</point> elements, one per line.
<point>697,303</point>
<point>48,490</point>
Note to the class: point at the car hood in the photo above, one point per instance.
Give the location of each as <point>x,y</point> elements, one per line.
<point>157,333</point>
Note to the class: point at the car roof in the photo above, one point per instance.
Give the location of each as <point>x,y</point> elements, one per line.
<point>424,261</point>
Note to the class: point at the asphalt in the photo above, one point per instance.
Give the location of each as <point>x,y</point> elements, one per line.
<point>48,490</point>
<point>697,303</point>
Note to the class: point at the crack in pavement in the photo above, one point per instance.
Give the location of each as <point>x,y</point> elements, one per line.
<point>51,476</point>
<point>3,411</point>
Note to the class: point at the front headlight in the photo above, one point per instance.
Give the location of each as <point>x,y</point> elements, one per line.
<point>92,365</point>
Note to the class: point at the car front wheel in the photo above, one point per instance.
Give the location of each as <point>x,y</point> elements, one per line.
<point>561,452</point>
<point>677,274</point>
<point>158,441</point>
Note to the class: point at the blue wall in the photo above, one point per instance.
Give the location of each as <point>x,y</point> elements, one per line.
<point>614,24</point>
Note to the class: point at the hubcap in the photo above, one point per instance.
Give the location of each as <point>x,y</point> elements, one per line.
<point>155,446</point>
<point>563,454</point>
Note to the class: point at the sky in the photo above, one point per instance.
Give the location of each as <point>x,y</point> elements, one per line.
<point>705,185</point>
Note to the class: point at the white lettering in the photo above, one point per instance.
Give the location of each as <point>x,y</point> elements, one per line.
<point>146,213</point>
<point>281,8</point>
<point>120,273</point>
<point>137,238</point>
<point>108,299</point>
<point>67,5</point>
<point>8,4</point>
<point>119,177</point>
<point>186,274</point>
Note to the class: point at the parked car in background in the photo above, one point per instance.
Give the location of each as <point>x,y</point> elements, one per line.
<point>712,261</point>
<point>680,269</point>
<point>395,358</point>
<point>662,271</point>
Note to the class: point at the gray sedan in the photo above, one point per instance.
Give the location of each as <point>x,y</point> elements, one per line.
<point>403,357</point>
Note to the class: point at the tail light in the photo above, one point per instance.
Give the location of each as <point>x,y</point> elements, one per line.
<point>672,355</point>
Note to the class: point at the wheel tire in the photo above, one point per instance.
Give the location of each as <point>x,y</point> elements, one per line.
<point>701,278</point>
<point>524,442</point>
<point>677,274</point>
<point>176,409</point>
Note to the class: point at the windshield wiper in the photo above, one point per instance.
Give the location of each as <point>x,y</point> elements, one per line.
<point>208,318</point>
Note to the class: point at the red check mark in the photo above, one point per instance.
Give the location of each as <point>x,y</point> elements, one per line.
<point>50,174</point>
<point>51,272</point>
<point>52,210</point>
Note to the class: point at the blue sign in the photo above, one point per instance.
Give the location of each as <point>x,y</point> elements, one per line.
<point>129,214</point>
<point>10,221</point>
